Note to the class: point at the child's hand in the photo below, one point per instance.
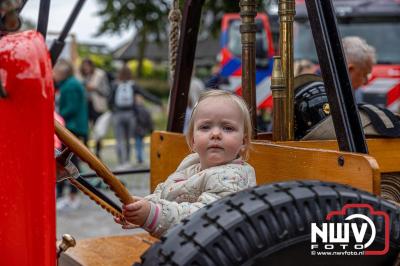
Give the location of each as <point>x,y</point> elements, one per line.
<point>137,212</point>
<point>125,224</point>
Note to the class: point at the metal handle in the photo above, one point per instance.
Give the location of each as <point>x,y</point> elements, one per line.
<point>66,242</point>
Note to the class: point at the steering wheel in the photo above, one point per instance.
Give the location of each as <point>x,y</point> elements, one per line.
<point>80,150</point>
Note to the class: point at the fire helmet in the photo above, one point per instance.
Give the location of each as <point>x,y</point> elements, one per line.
<point>310,107</point>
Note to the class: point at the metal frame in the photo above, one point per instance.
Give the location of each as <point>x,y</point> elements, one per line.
<point>346,120</point>
<point>43,18</point>
<point>124,172</point>
<point>58,45</point>
<point>248,12</point>
<point>184,64</point>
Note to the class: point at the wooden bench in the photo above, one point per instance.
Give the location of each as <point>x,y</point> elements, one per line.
<point>276,162</point>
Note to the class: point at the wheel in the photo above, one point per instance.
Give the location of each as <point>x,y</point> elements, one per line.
<point>271,225</point>
<point>390,186</point>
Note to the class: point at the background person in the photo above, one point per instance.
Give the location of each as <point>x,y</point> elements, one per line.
<point>97,87</point>
<point>311,119</point>
<point>304,66</point>
<point>72,107</point>
<point>360,57</point>
<point>144,126</point>
<point>123,106</point>
<point>216,80</point>
<point>195,90</point>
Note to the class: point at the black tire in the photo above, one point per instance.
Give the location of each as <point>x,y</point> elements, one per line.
<point>270,225</point>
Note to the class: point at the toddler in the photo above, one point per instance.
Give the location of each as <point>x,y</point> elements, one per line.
<point>219,135</point>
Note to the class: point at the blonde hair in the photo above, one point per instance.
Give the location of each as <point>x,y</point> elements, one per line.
<point>243,109</point>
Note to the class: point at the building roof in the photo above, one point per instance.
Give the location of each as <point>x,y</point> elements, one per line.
<point>206,51</point>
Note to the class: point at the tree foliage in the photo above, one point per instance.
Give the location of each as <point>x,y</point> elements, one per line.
<point>123,14</point>
<point>150,18</point>
<point>214,11</point>
<point>152,14</point>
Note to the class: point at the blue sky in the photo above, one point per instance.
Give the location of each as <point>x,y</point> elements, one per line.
<point>85,25</point>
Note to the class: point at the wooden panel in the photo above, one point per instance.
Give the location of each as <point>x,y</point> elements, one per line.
<point>107,251</point>
<point>274,163</point>
<point>385,151</point>
<point>166,152</point>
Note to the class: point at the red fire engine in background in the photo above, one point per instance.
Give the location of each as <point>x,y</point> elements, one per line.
<point>230,56</point>
<point>375,21</point>
<point>378,23</point>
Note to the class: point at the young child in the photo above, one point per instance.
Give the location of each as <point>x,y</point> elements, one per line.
<point>219,135</point>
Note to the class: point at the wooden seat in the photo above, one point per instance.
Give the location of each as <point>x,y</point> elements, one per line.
<point>385,151</point>
<point>276,162</point>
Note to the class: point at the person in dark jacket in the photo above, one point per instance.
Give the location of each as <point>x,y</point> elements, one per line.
<point>73,109</point>
<point>122,103</point>
<point>144,126</point>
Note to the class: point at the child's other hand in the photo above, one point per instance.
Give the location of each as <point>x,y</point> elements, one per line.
<point>125,224</point>
<point>137,212</point>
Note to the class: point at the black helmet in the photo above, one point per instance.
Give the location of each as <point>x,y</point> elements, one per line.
<point>310,107</point>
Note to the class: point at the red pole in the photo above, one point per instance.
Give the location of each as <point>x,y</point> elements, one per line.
<point>27,167</point>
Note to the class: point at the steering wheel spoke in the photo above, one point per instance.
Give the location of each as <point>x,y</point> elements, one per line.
<point>80,150</point>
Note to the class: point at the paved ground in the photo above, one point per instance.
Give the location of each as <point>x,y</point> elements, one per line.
<point>90,220</point>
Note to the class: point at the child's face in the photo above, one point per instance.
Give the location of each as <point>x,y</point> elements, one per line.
<point>218,134</point>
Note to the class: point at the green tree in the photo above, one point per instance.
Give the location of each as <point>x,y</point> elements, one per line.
<point>214,11</point>
<point>148,17</point>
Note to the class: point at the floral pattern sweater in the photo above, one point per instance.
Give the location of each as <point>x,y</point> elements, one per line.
<point>189,188</point>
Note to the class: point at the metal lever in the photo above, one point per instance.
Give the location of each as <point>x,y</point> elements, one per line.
<point>66,242</point>
<point>3,93</point>
<point>43,19</point>
<point>67,170</point>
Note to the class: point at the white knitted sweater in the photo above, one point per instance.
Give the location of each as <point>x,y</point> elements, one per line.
<point>189,188</point>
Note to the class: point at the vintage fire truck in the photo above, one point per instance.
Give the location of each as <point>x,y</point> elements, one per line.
<point>270,224</point>
<point>231,62</point>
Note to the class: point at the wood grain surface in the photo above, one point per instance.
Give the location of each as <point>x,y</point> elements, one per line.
<point>107,251</point>
<point>385,151</point>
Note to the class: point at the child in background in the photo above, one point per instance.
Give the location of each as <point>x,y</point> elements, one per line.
<point>219,135</point>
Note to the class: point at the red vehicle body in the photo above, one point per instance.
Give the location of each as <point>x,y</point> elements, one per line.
<point>231,49</point>
<point>383,87</point>
<point>27,166</point>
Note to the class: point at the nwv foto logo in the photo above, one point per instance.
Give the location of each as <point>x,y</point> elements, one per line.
<point>337,236</point>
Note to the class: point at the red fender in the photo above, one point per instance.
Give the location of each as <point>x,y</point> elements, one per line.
<point>27,166</point>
